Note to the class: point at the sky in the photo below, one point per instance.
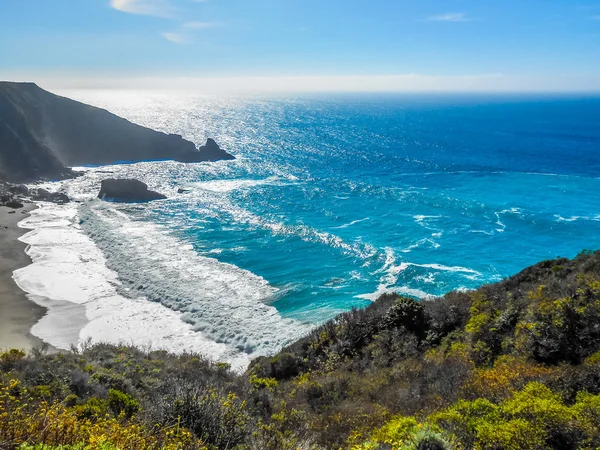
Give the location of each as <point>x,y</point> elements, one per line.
<point>306,45</point>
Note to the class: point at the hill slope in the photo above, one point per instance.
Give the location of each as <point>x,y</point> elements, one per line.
<point>513,365</point>
<point>41,134</point>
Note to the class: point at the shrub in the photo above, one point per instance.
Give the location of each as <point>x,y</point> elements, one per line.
<point>23,421</point>
<point>508,375</point>
<point>564,329</point>
<point>513,365</point>
<point>120,403</point>
<point>9,359</point>
<point>428,439</point>
<point>409,314</point>
<point>220,421</point>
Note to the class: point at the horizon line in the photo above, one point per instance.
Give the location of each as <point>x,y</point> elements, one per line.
<point>399,83</point>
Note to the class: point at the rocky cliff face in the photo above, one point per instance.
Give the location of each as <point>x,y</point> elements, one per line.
<point>42,134</point>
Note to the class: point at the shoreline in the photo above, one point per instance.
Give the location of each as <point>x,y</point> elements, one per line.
<point>18,314</point>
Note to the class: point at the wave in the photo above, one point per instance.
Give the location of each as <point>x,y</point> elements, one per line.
<point>421,219</point>
<point>403,290</point>
<point>498,214</point>
<point>349,224</point>
<point>390,273</point>
<point>487,233</point>
<point>213,203</point>
<point>220,300</point>
<point>137,284</point>
<point>432,243</point>
<point>443,268</point>
<point>595,218</point>
<point>216,205</point>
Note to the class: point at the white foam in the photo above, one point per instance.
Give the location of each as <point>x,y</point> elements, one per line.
<point>420,242</point>
<point>304,232</point>
<point>498,214</point>
<point>354,222</point>
<point>390,273</point>
<point>232,185</point>
<point>595,218</point>
<point>487,233</point>
<point>441,267</point>
<point>162,294</point>
<point>421,219</point>
<point>405,290</point>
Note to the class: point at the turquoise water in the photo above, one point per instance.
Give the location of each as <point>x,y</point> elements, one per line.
<point>334,200</point>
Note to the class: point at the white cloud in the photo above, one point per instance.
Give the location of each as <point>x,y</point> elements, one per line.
<point>450,17</point>
<point>185,33</point>
<point>159,8</point>
<point>177,38</point>
<point>164,8</point>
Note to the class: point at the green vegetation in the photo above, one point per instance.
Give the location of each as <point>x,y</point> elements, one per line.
<point>512,365</point>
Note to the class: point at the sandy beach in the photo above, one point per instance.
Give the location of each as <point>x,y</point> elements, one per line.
<point>17,313</point>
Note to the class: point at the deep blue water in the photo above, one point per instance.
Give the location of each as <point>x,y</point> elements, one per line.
<point>336,198</point>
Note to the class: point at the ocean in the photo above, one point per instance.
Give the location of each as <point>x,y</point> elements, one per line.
<point>332,201</point>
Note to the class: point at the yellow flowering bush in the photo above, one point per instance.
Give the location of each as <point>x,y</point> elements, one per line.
<point>508,374</point>
<point>530,419</point>
<point>23,420</point>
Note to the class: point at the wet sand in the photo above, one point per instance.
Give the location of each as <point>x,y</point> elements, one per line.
<point>17,313</point>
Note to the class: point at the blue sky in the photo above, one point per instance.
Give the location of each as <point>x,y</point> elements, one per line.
<point>448,44</point>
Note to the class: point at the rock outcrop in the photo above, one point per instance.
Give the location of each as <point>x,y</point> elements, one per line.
<point>42,135</point>
<point>14,204</point>
<point>42,195</point>
<point>127,191</point>
<point>13,195</point>
<point>212,152</point>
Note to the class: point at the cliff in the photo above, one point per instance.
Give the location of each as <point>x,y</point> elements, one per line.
<point>42,135</point>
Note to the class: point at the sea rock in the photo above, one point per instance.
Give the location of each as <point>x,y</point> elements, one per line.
<point>208,152</point>
<point>182,191</point>
<point>127,190</point>
<point>18,189</point>
<point>14,204</point>
<point>42,195</point>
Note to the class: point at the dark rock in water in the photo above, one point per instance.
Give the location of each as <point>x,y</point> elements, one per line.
<point>127,190</point>
<point>15,204</point>
<point>42,195</point>
<point>42,134</point>
<point>18,189</point>
<point>209,152</point>
<point>182,191</point>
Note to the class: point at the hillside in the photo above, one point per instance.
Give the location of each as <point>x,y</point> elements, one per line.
<point>42,135</point>
<point>512,365</point>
